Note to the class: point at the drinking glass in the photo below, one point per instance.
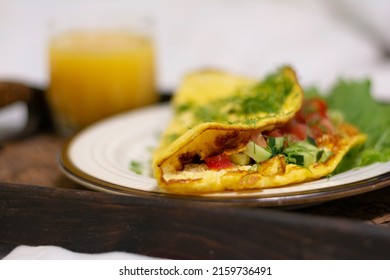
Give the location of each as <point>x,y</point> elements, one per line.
<point>98,68</point>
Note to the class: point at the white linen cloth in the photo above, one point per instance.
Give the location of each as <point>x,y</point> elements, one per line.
<point>57,253</point>
<point>248,37</point>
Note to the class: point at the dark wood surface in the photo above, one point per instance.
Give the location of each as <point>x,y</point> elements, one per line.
<point>94,222</point>
<point>40,206</point>
<point>34,161</point>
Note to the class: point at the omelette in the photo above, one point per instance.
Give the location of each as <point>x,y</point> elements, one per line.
<point>233,133</point>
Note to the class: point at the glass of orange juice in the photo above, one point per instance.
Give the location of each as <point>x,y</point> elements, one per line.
<point>99,69</point>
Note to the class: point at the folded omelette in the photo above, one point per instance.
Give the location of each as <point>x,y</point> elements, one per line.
<point>236,133</point>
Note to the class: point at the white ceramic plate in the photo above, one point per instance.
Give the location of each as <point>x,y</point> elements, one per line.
<point>100,157</point>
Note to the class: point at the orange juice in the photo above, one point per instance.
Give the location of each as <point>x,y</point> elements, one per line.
<point>95,75</point>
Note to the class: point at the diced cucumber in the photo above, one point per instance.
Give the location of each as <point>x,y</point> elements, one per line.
<point>300,146</point>
<point>311,141</point>
<point>320,154</point>
<point>296,159</point>
<point>276,144</point>
<point>240,159</point>
<point>256,152</point>
<point>324,156</point>
<point>303,153</point>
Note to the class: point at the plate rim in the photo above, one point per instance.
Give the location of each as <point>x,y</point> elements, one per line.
<point>293,199</point>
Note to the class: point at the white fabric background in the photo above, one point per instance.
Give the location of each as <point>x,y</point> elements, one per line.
<point>321,39</point>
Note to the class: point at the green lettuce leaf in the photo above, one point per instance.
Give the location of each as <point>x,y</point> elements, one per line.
<point>353,98</point>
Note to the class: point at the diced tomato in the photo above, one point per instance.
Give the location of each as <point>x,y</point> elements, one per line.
<point>313,119</point>
<point>314,114</point>
<point>275,133</point>
<point>312,107</point>
<point>259,139</point>
<point>218,162</point>
<point>323,126</point>
<point>318,105</point>
<point>297,131</point>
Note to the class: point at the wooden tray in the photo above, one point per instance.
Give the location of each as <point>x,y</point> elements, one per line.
<point>40,206</point>
<point>92,222</point>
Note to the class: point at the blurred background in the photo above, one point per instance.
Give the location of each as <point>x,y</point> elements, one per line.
<point>323,40</point>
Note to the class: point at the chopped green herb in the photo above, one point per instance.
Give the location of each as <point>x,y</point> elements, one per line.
<point>266,96</point>
<point>251,121</point>
<point>171,137</point>
<point>136,167</point>
<point>209,114</point>
<point>183,108</point>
